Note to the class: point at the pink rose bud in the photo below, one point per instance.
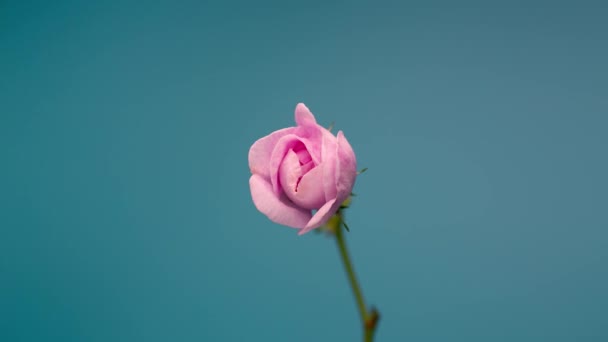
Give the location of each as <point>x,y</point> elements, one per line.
<point>298,170</point>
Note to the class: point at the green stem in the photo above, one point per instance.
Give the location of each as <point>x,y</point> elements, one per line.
<point>368,319</point>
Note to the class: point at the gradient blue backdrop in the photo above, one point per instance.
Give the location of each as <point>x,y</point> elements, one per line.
<point>125,212</point>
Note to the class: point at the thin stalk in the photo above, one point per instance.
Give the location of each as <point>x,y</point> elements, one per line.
<point>368,319</point>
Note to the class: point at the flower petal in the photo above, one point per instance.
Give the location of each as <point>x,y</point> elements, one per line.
<point>278,208</point>
<point>290,172</point>
<point>310,194</point>
<point>329,152</point>
<point>346,171</point>
<point>321,216</point>
<point>303,116</point>
<point>310,131</point>
<point>286,143</point>
<point>300,186</point>
<point>303,156</point>
<point>261,151</point>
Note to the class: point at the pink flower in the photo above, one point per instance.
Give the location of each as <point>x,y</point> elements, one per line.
<point>298,170</point>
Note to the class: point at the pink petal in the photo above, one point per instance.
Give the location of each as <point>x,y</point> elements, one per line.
<point>310,195</point>
<point>261,151</point>
<point>309,130</point>
<point>307,167</point>
<point>304,156</point>
<point>286,143</point>
<point>346,171</point>
<point>311,137</point>
<point>329,163</point>
<point>289,173</point>
<point>321,216</point>
<point>302,190</point>
<point>303,116</point>
<point>278,208</point>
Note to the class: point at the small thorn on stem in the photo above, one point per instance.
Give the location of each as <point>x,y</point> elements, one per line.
<point>372,320</point>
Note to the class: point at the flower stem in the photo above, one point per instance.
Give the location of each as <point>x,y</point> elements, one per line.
<point>369,320</point>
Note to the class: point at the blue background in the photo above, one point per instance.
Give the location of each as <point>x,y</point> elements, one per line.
<point>125,212</point>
